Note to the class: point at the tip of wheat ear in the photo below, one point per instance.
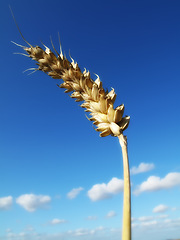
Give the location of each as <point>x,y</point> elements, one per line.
<point>96,100</point>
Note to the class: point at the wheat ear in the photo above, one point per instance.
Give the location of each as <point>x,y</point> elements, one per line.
<point>96,100</point>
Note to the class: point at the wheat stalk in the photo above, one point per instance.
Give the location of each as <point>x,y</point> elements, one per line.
<point>100,103</point>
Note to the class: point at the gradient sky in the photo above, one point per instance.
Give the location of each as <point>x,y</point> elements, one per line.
<point>58,178</point>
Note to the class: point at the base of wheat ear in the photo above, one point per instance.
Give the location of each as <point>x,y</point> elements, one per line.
<point>96,100</point>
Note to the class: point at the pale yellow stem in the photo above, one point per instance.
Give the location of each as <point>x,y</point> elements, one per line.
<point>126,230</point>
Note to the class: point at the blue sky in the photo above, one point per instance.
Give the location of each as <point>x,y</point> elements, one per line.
<point>58,178</point>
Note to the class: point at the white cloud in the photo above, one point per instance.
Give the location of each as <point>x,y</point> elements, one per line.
<point>57,221</point>
<point>32,202</point>
<point>163,216</point>
<point>143,167</point>
<point>86,232</point>
<point>5,203</point>
<point>160,208</point>
<point>82,232</point>
<point>103,191</point>
<point>144,221</point>
<point>172,223</point>
<point>74,192</point>
<point>111,214</point>
<point>98,192</point>
<point>145,218</point>
<point>154,183</point>
<point>154,229</point>
<point>158,217</point>
<point>168,220</point>
<point>149,223</point>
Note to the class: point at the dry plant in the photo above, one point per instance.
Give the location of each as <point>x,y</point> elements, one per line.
<point>98,102</point>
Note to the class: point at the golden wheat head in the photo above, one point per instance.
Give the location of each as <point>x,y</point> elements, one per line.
<point>96,100</point>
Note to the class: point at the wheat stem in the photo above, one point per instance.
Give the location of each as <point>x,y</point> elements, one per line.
<point>126,230</point>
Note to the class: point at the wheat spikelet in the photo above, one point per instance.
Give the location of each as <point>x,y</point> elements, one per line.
<point>96,100</point>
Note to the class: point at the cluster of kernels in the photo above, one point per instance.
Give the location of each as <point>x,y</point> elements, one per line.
<point>109,121</point>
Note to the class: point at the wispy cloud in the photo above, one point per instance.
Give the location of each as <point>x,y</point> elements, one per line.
<point>111,214</point>
<point>32,202</point>
<point>149,223</point>
<point>162,216</point>
<point>57,221</point>
<point>86,232</point>
<point>154,183</point>
<point>145,218</point>
<point>82,232</point>
<point>104,191</point>
<point>6,202</point>
<point>99,232</point>
<point>143,167</point>
<point>142,221</point>
<point>74,192</point>
<point>160,208</point>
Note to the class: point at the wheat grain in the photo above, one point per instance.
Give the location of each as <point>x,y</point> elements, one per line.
<point>96,100</point>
